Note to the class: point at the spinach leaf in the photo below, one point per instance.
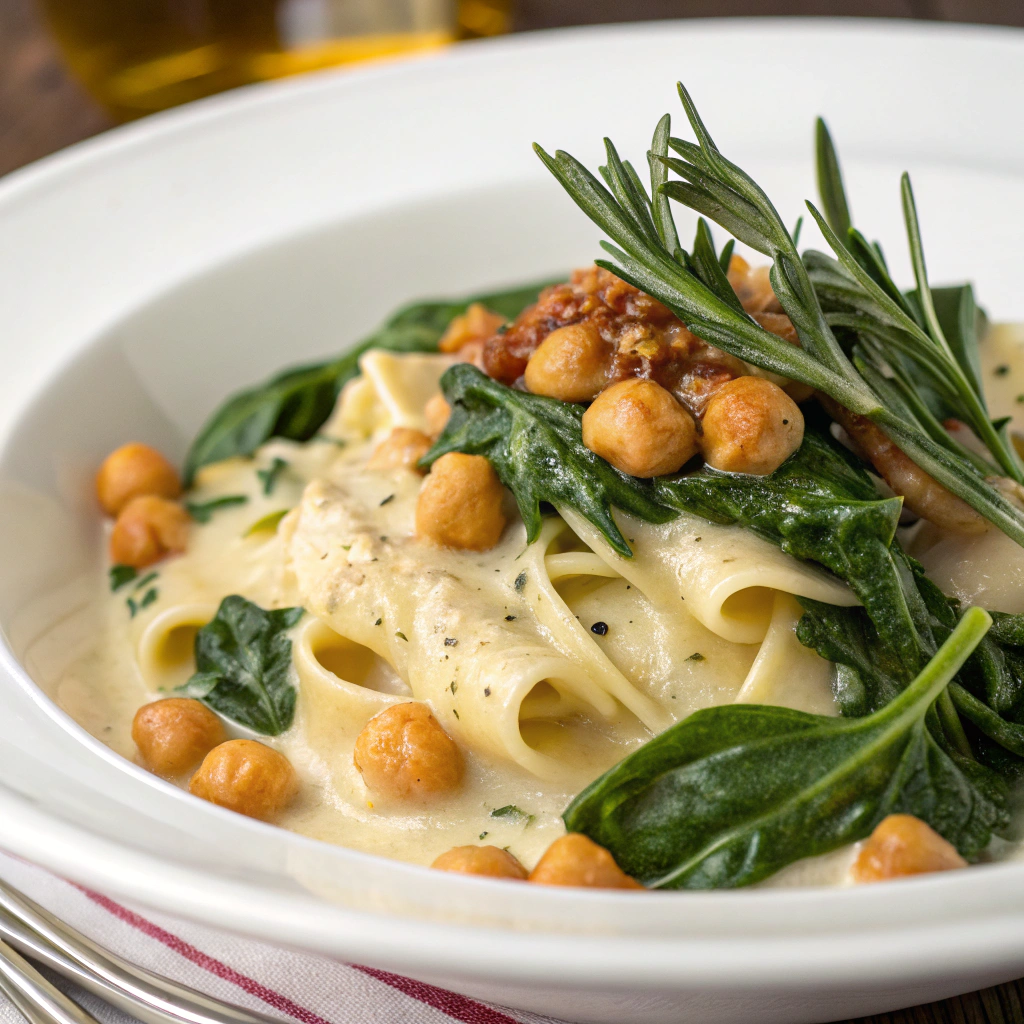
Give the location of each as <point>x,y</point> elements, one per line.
<point>731,794</point>
<point>296,403</point>
<point>202,511</point>
<point>536,447</point>
<point>243,662</point>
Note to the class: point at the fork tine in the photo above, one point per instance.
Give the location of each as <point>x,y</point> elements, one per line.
<point>35,998</point>
<point>142,993</point>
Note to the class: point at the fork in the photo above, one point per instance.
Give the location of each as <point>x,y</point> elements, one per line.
<point>40,936</point>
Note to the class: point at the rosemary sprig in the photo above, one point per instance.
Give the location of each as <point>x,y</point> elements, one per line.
<point>867,299</point>
<point>647,254</point>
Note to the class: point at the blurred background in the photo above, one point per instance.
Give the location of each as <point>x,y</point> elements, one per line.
<point>72,68</point>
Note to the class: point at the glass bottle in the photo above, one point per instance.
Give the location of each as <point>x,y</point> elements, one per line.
<point>139,56</point>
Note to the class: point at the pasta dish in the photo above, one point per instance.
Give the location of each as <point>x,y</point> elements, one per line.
<point>692,569</point>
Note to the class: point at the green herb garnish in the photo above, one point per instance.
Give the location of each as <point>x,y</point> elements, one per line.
<point>243,662</point>
<point>267,523</point>
<point>646,253</point>
<point>121,575</point>
<point>268,477</point>
<point>785,785</point>
<point>202,512</point>
<point>512,813</point>
<point>295,404</point>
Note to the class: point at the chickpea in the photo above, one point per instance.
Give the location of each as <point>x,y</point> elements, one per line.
<point>437,412</point>
<point>403,448</point>
<point>753,286</point>
<point>403,753</point>
<point>481,860</point>
<point>751,426</point>
<point>903,845</point>
<point>175,734</point>
<point>459,504</point>
<point>247,777</point>
<point>572,363</point>
<point>780,325</point>
<point>478,323</point>
<point>131,471</point>
<point>640,429</point>
<point>576,860</point>
<point>147,529</point>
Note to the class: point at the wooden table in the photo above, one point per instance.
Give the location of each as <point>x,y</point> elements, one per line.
<point>43,110</point>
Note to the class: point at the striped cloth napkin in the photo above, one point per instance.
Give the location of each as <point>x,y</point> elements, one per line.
<point>281,982</point>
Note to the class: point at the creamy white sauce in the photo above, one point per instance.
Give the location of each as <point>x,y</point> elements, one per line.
<point>702,616</point>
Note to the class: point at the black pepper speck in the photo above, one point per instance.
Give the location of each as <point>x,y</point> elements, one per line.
<point>600,628</point>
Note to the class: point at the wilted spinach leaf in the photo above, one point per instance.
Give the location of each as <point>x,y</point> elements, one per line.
<point>536,447</point>
<point>731,794</point>
<point>296,403</point>
<point>243,662</point>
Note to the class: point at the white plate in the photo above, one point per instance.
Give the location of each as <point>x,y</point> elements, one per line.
<point>148,273</point>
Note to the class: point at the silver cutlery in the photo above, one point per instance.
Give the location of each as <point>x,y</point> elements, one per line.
<point>36,934</point>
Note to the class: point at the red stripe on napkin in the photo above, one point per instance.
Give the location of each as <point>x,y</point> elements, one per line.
<point>461,1008</point>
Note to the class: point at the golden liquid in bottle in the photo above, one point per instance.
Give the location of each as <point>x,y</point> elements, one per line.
<point>139,56</point>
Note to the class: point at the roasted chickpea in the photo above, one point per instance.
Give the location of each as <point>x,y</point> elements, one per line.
<point>571,364</point>
<point>751,426</point>
<point>175,734</point>
<point>780,325</point>
<point>437,412</point>
<point>576,860</point>
<point>132,471</point>
<point>640,429</point>
<point>248,777</point>
<point>404,754</point>
<point>402,449</point>
<point>481,860</point>
<point>478,323</point>
<point>459,504</point>
<point>903,845</point>
<point>147,529</point>
<point>753,287</point>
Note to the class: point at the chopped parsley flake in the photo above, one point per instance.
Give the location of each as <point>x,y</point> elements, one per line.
<point>1001,370</point>
<point>268,477</point>
<point>520,583</point>
<point>120,575</point>
<point>267,523</point>
<point>378,622</point>
<point>483,835</point>
<point>696,656</point>
<point>390,497</point>
<point>202,512</point>
<point>513,813</point>
<point>401,635</point>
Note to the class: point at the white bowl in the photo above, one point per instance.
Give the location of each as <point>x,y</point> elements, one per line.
<point>150,272</point>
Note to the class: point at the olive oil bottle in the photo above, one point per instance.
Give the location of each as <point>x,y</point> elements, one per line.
<point>139,56</point>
